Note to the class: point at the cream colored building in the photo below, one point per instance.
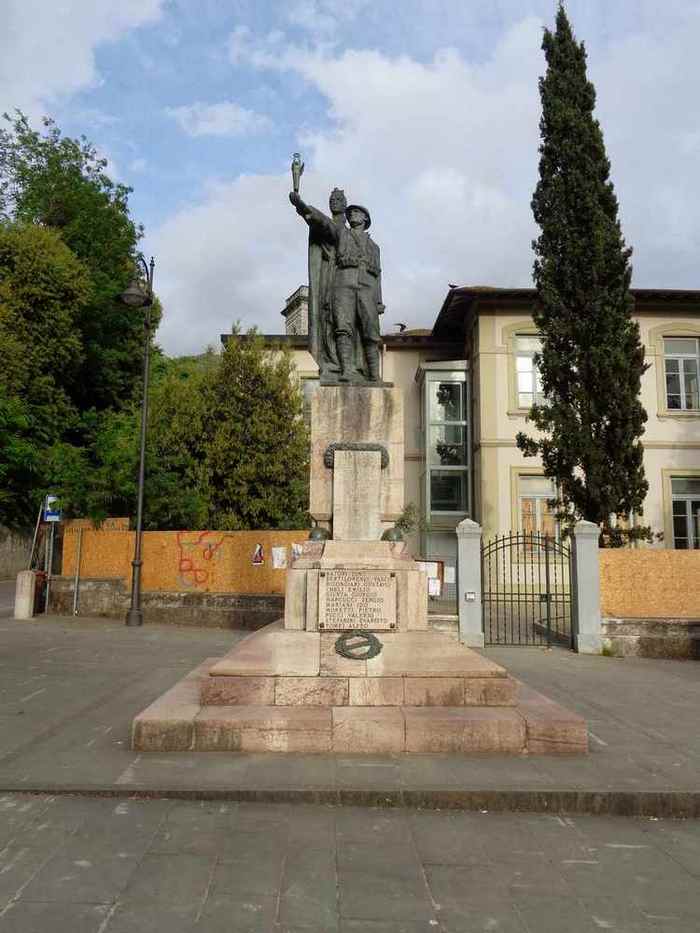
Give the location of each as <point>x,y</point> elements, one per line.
<point>509,491</point>
<point>468,384</point>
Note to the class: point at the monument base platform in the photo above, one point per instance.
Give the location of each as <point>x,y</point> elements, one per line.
<point>289,691</point>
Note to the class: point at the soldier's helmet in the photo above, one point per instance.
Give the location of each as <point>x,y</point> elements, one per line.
<point>359,207</point>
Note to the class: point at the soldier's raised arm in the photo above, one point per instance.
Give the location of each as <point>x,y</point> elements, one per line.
<point>314,218</point>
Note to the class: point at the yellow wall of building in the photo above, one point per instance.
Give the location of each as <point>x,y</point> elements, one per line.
<point>499,419</point>
<point>305,363</point>
<point>671,440</point>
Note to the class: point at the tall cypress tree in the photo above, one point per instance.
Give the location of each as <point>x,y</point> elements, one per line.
<point>592,359</point>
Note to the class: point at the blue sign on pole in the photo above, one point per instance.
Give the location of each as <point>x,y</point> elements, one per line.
<point>52,510</point>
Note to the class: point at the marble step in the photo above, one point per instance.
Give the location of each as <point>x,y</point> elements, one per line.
<point>274,651</point>
<point>360,729</point>
<point>178,722</point>
<point>357,691</point>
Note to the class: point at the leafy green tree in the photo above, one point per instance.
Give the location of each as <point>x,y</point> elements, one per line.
<point>100,479</point>
<point>257,449</point>
<point>227,447</point>
<point>43,290</point>
<point>177,486</point>
<point>592,359</point>
<point>54,181</point>
<point>18,459</point>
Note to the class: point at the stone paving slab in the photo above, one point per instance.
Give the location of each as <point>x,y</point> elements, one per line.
<point>106,866</point>
<point>69,691</point>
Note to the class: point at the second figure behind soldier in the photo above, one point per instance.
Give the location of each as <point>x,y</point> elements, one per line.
<point>353,298</point>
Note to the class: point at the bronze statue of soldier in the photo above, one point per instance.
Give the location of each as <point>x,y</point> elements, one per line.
<point>345,297</point>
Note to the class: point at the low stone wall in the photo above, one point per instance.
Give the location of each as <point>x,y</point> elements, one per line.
<point>109,597</point>
<point>652,638</point>
<point>14,553</point>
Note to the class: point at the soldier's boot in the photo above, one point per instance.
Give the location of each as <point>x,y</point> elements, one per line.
<point>372,356</point>
<point>343,345</point>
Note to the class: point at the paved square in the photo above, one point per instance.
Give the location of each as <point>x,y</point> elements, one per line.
<point>85,865</point>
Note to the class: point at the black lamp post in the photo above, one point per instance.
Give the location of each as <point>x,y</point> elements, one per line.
<point>139,294</point>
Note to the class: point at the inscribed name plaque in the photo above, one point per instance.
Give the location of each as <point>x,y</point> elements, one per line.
<point>356,599</point>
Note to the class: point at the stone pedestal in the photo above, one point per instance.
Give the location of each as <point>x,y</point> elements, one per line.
<point>356,582</point>
<point>354,666</point>
<point>356,418</point>
<point>357,478</point>
<point>350,586</point>
<point>290,691</point>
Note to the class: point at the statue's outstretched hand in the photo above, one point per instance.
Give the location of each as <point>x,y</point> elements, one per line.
<point>381,308</point>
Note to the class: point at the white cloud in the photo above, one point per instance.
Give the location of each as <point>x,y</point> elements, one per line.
<point>226,118</point>
<point>648,86</point>
<point>271,51</point>
<point>228,258</point>
<point>47,49</point>
<point>322,18</point>
<point>444,153</point>
<point>424,146</point>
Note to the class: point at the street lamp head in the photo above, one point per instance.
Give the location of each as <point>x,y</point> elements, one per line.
<point>135,295</point>
<point>140,291</point>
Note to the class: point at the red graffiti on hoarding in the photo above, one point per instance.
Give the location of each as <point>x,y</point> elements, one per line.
<point>198,554</point>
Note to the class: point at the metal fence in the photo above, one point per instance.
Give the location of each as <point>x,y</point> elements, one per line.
<point>526,590</point>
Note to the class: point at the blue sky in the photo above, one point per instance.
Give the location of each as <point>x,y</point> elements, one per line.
<point>425,111</point>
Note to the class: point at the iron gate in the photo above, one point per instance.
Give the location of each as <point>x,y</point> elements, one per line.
<point>526,590</point>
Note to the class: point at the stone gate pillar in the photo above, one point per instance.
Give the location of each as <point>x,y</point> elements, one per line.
<point>585,588</point>
<point>471,630</point>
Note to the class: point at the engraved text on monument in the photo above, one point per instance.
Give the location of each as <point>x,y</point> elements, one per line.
<point>355,599</point>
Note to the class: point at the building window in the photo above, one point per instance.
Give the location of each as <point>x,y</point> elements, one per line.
<point>535,513</point>
<point>682,362</point>
<point>448,491</point>
<point>685,496</point>
<point>447,442</point>
<point>528,380</point>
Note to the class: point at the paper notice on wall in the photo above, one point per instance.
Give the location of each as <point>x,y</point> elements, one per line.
<point>449,574</point>
<point>297,551</point>
<point>279,558</point>
<point>258,555</point>
<point>429,567</point>
<point>433,586</point>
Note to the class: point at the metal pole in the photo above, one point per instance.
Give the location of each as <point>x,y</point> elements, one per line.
<point>76,581</point>
<point>135,614</point>
<point>547,552</point>
<point>36,534</point>
<point>49,569</point>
